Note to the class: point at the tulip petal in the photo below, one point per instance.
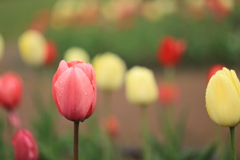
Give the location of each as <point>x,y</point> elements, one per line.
<point>74,94</point>
<point>222,101</point>
<point>62,67</point>
<point>235,81</point>
<point>73,63</point>
<point>88,70</point>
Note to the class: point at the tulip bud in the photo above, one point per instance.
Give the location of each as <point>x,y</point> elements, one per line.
<point>76,53</point>
<point>112,126</point>
<point>170,51</point>
<point>141,86</point>
<point>168,93</point>
<point>223,98</point>
<point>213,70</point>
<point>51,52</point>
<point>25,147</point>
<point>10,90</point>
<point>74,90</point>
<point>110,70</point>
<point>32,47</point>
<point>1,46</point>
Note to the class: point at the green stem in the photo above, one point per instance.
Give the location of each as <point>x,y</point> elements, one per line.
<point>76,126</point>
<point>233,143</point>
<point>145,132</point>
<point>107,146</point>
<point>106,139</point>
<point>169,74</point>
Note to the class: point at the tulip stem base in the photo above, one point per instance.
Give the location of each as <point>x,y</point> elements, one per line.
<point>76,126</point>
<point>233,143</point>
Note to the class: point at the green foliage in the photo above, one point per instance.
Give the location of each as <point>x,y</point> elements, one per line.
<point>208,41</point>
<point>16,16</point>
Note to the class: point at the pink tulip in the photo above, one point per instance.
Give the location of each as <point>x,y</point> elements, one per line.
<point>25,147</point>
<point>74,90</point>
<point>10,90</point>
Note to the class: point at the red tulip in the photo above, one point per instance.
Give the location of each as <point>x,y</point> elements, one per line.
<point>51,52</point>
<point>25,147</point>
<point>168,93</point>
<point>10,90</point>
<point>74,90</point>
<point>112,126</point>
<point>170,51</point>
<point>213,70</point>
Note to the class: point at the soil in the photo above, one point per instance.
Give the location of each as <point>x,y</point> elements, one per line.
<point>200,130</point>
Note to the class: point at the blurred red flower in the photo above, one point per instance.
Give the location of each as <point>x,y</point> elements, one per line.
<point>51,52</point>
<point>112,126</point>
<point>168,93</point>
<point>213,69</point>
<point>170,51</point>
<point>219,8</point>
<point>10,90</point>
<point>25,146</point>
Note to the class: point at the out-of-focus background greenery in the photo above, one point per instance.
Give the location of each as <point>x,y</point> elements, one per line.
<point>209,40</point>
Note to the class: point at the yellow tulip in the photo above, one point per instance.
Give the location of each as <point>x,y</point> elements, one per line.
<point>32,46</point>
<point>110,70</point>
<point>223,98</point>
<point>141,86</point>
<point>1,46</point>
<point>76,53</point>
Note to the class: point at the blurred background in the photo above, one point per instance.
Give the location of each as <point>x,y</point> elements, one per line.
<point>132,29</point>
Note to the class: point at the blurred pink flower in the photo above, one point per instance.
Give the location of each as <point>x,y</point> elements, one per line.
<point>25,147</point>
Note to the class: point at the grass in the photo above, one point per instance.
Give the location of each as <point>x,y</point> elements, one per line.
<point>15,16</point>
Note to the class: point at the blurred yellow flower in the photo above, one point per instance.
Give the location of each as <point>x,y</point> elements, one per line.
<point>1,46</point>
<point>63,13</point>
<point>32,47</point>
<point>223,98</point>
<point>110,70</point>
<point>76,53</point>
<point>228,4</point>
<point>141,86</point>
